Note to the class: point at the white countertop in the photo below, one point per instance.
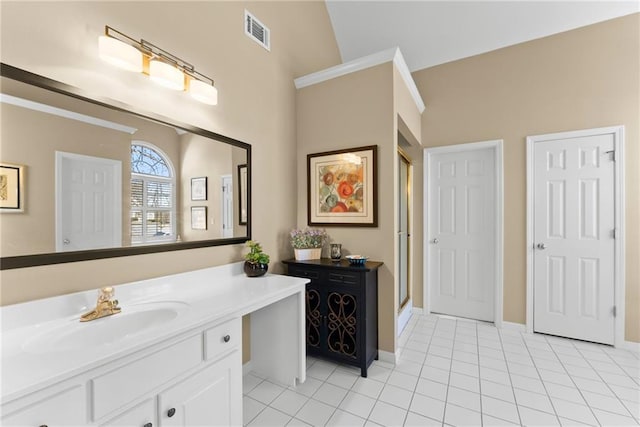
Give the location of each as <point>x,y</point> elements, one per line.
<point>202,296</point>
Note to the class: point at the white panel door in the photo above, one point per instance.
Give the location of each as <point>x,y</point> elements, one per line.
<point>573,238</point>
<point>88,202</point>
<point>462,233</point>
<point>227,206</point>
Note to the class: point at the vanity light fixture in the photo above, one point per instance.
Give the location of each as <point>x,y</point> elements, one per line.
<point>161,66</point>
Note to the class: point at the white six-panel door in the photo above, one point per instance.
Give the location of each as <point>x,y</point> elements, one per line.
<point>462,233</point>
<point>88,202</point>
<point>573,233</point>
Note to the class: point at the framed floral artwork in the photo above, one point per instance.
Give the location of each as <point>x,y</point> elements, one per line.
<point>342,188</point>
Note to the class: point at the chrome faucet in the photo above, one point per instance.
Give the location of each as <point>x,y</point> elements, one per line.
<point>105,306</point>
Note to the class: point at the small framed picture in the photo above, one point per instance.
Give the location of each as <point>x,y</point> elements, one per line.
<point>198,217</point>
<point>199,188</point>
<point>11,188</point>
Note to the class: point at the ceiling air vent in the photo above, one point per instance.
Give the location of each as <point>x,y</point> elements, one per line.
<point>256,30</point>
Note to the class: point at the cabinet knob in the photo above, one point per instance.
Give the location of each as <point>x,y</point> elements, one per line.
<point>148,425</point>
<point>227,338</point>
<point>171,412</point>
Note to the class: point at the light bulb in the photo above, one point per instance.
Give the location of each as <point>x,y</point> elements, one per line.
<point>203,92</point>
<point>166,75</point>
<point>120,54</point>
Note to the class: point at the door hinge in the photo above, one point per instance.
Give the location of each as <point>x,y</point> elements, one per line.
<point>613,233</point>
<point>614,311</point>
<point>613,154</point>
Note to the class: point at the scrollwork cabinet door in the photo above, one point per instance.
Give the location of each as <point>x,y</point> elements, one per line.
<point>314,319</point>
<point>341,324</point>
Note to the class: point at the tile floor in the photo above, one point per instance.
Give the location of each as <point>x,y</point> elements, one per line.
<point>461,373</point>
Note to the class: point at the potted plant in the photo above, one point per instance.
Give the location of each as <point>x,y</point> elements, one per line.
<point>307,243</point>
<point>256,262</point>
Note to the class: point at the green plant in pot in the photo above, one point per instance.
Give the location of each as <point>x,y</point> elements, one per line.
<point>256,261</point>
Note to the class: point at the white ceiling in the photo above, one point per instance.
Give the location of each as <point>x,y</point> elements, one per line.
<point>434,32</point>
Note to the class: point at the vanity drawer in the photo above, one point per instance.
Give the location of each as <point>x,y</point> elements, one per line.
<point>65,408</point>
<point>303,272</point>
<point>222,338</point>
<point>122,385</point>
<point>344,278</point>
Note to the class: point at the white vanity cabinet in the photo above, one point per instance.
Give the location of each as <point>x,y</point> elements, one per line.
<point>206,398</point>
<point>193,380</point>
<point>142,415</point>
<point>62,409</point>
<point>172,357</point>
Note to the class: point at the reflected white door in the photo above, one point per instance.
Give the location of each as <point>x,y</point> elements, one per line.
<point>573,238</point>
<point>227,206</point>
<point>88,202</point>
<point>462,234</point>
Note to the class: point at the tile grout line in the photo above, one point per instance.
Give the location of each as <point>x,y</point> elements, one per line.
<point>419,376</point>
<point>635,380</point>
<point>542,381</point>
<point>479,377</point>
<point>513,391</point>
<point>539,357</point>
<point>444,412</point>
<point>605,382</point>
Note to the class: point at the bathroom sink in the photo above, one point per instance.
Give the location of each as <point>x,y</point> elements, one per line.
<point>71,334</point>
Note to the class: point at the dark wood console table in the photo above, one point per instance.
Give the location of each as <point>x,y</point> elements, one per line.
<point>341,309</point>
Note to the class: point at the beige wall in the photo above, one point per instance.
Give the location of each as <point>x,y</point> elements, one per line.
<point>355,110</point>
<point>408,123</point>
<point>201,158</point>
<point>585,78</point>
<point>32,138</point>
<point>257,105</point>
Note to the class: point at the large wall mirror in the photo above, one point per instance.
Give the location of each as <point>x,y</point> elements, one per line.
<point>84,178</point>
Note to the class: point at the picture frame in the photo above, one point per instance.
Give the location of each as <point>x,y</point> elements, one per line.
<point>242,194</point>
<point>12,193</point>
<point>198,217</point>
<point>199,188</point>
<point>342,187</point>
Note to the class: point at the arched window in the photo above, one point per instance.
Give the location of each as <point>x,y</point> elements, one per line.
<point>153,207</point>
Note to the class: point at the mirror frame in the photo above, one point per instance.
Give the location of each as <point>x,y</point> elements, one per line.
<point>22,261</point>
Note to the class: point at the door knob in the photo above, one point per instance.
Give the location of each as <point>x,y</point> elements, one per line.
<point>66,241</point>
<point>435,241</point>
<point>541,246</point>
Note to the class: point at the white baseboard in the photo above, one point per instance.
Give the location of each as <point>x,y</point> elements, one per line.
<point>631,346</point>
<point>514,326</point>
<point>246,368</point>
<point>417,310</point>
<point>386,356</point>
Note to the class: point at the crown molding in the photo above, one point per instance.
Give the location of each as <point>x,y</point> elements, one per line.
<point>390,55</point>
<point>61,112</point>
